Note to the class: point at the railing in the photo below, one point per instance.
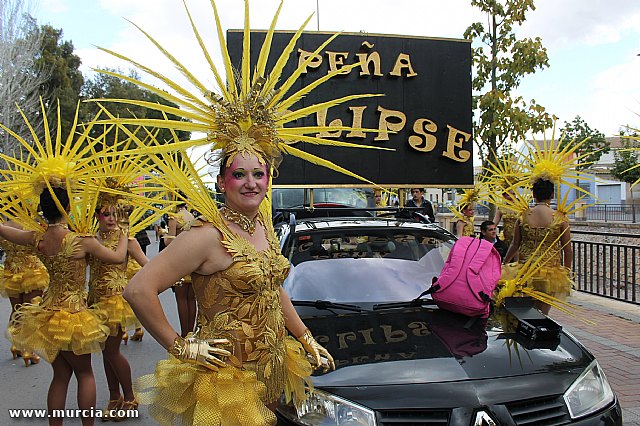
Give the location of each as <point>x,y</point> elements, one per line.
<point>612,213</point>
<point>606,269</point>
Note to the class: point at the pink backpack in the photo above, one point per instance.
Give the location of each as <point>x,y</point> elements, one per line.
<point>468,278</point>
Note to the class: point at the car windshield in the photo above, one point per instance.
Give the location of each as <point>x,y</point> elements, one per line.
<point>397,243</point>
<point>366,266</point>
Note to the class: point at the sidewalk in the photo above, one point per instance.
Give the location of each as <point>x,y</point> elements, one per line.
<point>614,340</point>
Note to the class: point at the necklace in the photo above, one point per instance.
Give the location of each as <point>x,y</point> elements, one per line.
<point>242,220</point>
<point>60,224</point>
<point>543,203</point>
<point>104,235</point>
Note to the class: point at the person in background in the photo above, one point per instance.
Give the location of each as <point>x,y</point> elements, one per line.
<point>465,223</point>
<point>489,232</point>
<point>106,284</point>
<point>544,232</point>
<point>143,239</point>
<point>23,278</point>
<point>60,326</point>
<point>418,200</point>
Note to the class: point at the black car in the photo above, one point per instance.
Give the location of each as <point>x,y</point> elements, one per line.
<point>400,360</point>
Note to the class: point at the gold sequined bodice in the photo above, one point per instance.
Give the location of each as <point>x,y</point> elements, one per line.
<point>508,224</point>
<point>242,303</point>
<point>67,277</point>
<point>19,258</point>
<point>532,237</point>
<point>468,230</point>
<point>107,279</point>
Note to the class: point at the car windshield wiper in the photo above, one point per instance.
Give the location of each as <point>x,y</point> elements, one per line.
<point>325,304</point>
<point>418,301</point>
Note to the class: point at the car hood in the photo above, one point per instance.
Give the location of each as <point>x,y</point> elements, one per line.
<point>424,345</point>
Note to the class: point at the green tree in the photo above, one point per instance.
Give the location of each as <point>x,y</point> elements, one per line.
<point>107,86</point>
<point>627,160</point>
<point>64,82</point>
<point>500,62</point>
<point>594,146</point>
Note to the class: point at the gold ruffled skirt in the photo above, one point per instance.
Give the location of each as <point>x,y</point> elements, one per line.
<point>28,280</point>
<point>119,314</point>
<point>181,393</point>
<point>47,332</point>
<point>555,281</point>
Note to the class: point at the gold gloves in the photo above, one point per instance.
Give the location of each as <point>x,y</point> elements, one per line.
<point>200,352</point>
<point>122,218</point>
<point>316,351</point>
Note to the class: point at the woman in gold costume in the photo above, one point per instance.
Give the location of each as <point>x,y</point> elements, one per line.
<point>185,297</point>
<point>239,360</point>
<point>465,222</point>
<point>24,277</point>
<point>106,284</point>
<point>508,218</point>
<point>542,231</point>
<point>60,327</point>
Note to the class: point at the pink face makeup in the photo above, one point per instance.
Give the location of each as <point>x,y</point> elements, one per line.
<point>245,183</point>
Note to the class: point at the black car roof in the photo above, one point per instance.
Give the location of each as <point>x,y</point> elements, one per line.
<point>360,222</point>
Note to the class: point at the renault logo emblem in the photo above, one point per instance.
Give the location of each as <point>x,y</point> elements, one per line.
<point>483,419</point>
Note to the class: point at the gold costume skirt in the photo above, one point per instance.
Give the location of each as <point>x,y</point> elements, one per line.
<point>182,393</point>
<point>25,281</point>
<point>47,332</point>
<point>119,314</point>
<point>555,281</point>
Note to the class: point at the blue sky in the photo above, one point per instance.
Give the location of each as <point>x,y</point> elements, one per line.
<point>593,45</point>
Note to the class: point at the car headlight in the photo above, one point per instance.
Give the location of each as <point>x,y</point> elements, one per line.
<point>589,393</point>
<point>323,409</point>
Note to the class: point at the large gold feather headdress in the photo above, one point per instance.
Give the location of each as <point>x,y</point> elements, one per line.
<point>52,163</point>
<point>248,111</point>
<point>558,161</point>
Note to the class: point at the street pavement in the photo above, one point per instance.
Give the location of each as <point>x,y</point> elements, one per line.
<point>614,340</point>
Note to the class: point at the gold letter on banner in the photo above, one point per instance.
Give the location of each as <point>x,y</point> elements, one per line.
<point>455,140</point>
<point>336,61</point>
<point>384,124</point>
<point>321,119</point>
<point>304,55</point>
<point>357,122</point>
<point>403,61</point>
<point>421,127</point>
<point>366,58</point>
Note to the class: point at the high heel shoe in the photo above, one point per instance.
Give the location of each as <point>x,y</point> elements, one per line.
<point>125,337</point>
<point>30,357</point>
<point>137,335</point>
<point>113,404</point>
<point>15,352</point>
<point>125,410</point>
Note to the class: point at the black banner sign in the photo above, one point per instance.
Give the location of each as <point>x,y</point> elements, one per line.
<point>424,115</point>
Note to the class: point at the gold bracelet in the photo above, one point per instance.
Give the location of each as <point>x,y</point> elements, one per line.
<point>178,347</point>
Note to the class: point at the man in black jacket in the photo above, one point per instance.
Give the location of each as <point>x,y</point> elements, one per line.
<point>489,232</point>
<point>418,200</point>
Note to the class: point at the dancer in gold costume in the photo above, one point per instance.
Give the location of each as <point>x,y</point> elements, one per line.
<point>541,234</point>
<point>541,229</point>
<point>23,278</point>
<point>106,285</point>
<point>239,360</point>
<point>60,327</point>
<point>466,221</point>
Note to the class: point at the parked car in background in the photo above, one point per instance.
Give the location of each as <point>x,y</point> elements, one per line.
<point>400,360</point>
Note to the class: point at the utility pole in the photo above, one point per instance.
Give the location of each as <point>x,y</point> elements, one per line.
<point>318,14</point>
